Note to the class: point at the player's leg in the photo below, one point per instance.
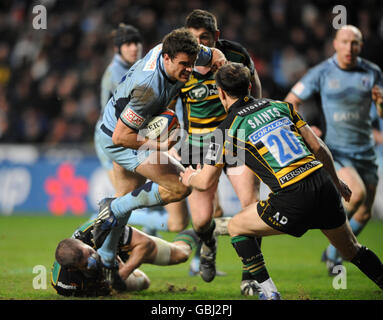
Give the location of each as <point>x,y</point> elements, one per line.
<point>246,185</point>
<point>178,216</point>
<point>165,253</point>
<point>243,227</point>
<point>165,187</point>
<point>201,205</point>
<point>345,241</point>
<point>358,210</point>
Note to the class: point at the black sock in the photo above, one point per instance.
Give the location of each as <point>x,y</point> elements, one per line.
<point>259,240</point>
<point>370,265</point>
<point>207,236</point>
<point>248,250</point>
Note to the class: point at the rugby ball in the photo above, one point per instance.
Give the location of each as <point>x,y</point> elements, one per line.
<point>160,127</point>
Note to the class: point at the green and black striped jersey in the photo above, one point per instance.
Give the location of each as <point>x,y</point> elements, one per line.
<point>264,134</point>
<point>203,110</point>
<point>74,282</point>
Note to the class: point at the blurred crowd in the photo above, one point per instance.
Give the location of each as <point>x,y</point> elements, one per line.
<point>50,78</point>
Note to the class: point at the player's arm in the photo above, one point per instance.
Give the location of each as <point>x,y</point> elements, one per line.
<point>323,154</point>
<point>201,179</point>
<point>377,96</point>
<point>294,100</point>
<point>212,58</point>
<point>130,122</point>
<point>297,103</point>
<point>142,248</point>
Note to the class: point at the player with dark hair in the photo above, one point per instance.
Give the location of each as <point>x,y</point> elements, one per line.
<point>203,112</point>
<point>282,150</point>
<point>78,270</point>
<point>347,84</point>
<point>144,92</point>
<point>128,49</point>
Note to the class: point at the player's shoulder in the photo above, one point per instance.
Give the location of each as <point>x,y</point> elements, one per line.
<point>323,66</point>
<point>367,64</point>
<point>230,48</point>
<point>223,44</point>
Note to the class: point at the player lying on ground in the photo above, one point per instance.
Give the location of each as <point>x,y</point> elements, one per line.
<point>282,150</point>
<point>77,270</point>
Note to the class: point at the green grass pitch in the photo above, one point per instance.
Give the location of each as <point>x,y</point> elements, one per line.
<point>294,264</point>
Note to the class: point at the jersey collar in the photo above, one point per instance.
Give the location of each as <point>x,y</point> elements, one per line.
<point>242,102</point>
<point>358,66</point>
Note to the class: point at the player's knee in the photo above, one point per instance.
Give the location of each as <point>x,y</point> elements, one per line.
<point>232,228</point>
<point>177,192</point>
<point>177,226</point>
<point>358,197</point>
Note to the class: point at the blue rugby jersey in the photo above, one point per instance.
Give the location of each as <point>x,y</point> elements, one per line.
<point>112,77</point>
<point>346,102</point>
<point>145,91</point>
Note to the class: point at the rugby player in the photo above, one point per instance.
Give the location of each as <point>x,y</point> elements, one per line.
<point>145,91</point>
<point>203,112</point>
<point>77,269</point>
<point>347,84</point>
<point>282,150</point>
<point>128,46</point>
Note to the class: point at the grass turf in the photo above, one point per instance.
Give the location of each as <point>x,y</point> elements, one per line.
<point>294,265</point>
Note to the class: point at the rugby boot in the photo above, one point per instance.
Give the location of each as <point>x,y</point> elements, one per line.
<point>273,296</point>
<point>250,288</point>
<point>330,264</point>
<point>105,221</point>
<point>207,268</point>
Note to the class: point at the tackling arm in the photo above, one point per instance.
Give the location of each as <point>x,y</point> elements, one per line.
<point>323,154</point>
<point>199,179</point>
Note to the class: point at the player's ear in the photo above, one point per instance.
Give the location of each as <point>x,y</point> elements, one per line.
<point>166,57</point>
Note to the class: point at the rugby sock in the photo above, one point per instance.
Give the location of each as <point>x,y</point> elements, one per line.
<point>188,236</point>
<point>249,252</point>
<point>154,218</point>
<point>356,228</point>
<point>146,196</point>
<point>207,236</point>
<point>245,273</point>
<point>108,249</point>
<point>370,265</point>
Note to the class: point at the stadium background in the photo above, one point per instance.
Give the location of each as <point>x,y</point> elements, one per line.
<point>50,80</point>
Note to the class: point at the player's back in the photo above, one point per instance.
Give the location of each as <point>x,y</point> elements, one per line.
<point>265,134</point>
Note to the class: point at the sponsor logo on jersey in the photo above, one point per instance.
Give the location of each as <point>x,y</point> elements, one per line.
<point>366,82</point>
<point>298,88</point>
<point>66,286</point>
<point>133,118</point>
<point>199,92</point>
<point>212,152</point>
<point>333,83</point>
<point>294,173</point>
<point>259,134</point>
